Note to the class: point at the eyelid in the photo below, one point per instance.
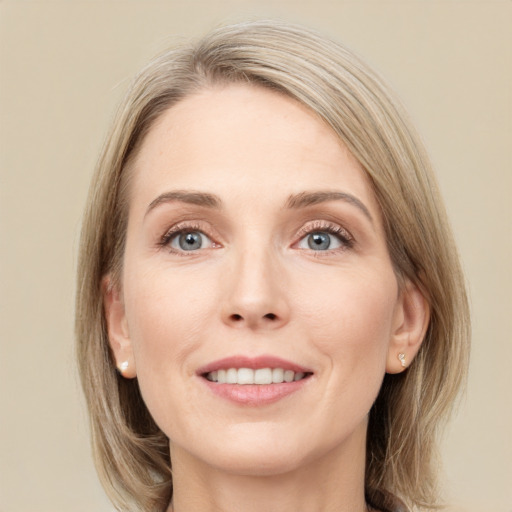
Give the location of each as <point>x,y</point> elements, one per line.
<point>319,225</point>
<point>184,227</point>
<point>345,237</point>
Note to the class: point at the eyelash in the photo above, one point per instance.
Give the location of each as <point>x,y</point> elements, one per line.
<point>345,238</point>
<point>178,229</point>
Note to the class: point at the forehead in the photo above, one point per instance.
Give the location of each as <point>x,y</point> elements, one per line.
<point>244,140</point>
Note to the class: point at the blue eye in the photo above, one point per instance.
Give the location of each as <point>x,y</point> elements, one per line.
<point>320,241</point>
<point>189,241</point>
<point>326,238</point>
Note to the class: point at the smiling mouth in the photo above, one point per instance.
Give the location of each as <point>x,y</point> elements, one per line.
<point>260,376</point>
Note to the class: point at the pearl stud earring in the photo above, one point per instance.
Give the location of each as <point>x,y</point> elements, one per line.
<point>124,366</point>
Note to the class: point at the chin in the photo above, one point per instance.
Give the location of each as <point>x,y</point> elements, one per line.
<point>252,449</point>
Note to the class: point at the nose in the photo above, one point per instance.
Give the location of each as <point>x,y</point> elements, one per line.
<point>255,293</point>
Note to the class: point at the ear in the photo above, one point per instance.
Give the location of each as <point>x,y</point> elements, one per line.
<point>412,316</point>
<point>117,327</point>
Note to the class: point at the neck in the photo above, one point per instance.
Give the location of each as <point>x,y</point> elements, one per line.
<point>333,482</point>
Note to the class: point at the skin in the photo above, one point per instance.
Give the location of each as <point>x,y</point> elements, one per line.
<point>255,287</point>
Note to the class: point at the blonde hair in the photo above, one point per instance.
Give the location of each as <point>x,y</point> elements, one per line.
<point>131,453</point>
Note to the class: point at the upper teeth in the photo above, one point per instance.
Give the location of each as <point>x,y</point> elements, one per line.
<point>250,376</point>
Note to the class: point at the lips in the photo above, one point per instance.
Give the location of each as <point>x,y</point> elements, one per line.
<point>253,363</point>
<point>253,381</point>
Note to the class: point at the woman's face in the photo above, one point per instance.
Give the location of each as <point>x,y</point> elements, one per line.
<point>255,252</point>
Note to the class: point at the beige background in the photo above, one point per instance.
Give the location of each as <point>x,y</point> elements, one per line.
<point>63,66</point>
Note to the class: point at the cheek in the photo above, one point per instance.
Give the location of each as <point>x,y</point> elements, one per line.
<point>350,321</point>
<point>352,331</point>
<point>165,303</point>
<point>166,312</point>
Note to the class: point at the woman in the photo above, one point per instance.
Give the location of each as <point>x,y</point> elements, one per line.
<point>270,301</point>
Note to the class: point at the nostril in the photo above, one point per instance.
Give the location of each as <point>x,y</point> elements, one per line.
<point>237,318</point>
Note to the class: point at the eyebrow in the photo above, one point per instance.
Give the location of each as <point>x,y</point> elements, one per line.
<point>305,199</point>
<point>295,201</point>
<point>187,196</point>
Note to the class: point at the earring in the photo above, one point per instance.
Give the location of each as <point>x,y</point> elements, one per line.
<point>401,356</point>
<point>123,366</point>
